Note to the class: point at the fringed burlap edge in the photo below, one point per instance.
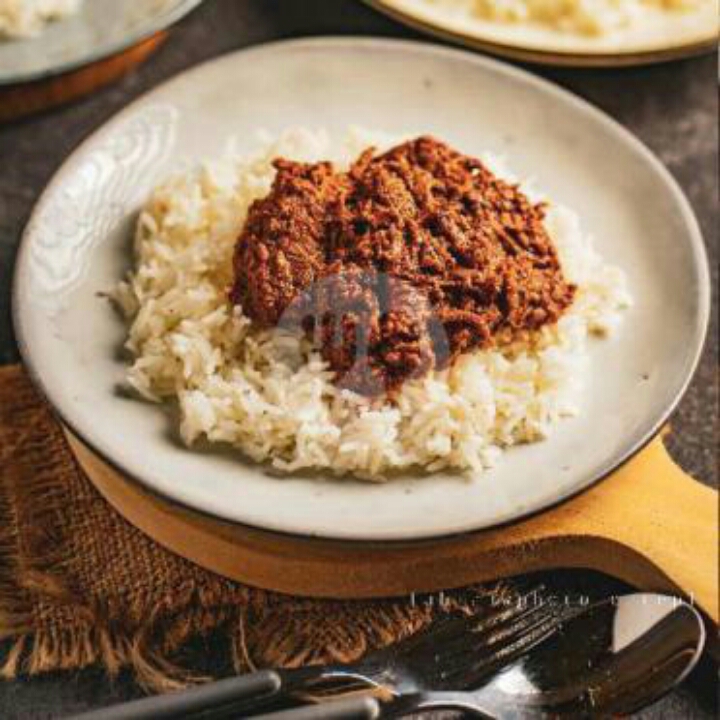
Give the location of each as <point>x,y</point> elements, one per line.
<point>256,628</point>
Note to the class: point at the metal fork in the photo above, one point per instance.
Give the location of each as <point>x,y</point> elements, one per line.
<point>453,653</point>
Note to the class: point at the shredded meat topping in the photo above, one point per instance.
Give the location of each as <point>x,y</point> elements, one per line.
<point>400,264</point>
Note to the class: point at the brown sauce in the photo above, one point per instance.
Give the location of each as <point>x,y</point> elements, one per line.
<point>400,264</point>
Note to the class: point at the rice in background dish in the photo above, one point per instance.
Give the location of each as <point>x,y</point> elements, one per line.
<point>587,17</point>
<point>271,395</point>
<point>25,18</point>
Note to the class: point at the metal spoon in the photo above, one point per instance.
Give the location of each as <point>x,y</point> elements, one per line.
<point>614,657</point>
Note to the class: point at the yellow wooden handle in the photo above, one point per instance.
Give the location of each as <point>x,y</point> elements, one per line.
<point>654,509</point>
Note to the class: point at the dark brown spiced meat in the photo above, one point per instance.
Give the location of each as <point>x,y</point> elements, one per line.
<point>398,265</point>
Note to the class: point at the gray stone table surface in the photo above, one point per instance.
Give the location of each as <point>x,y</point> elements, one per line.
<point>672,107</point>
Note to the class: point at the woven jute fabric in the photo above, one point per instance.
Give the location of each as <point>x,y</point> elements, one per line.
<point>81,586</point>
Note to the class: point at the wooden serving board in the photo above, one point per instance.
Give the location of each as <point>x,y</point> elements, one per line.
<point>648,524</point>
<point>21,100</point>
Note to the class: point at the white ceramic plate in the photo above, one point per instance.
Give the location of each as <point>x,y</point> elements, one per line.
<point>100,29</point>
<point>660,36</point>
<point>77,244</point>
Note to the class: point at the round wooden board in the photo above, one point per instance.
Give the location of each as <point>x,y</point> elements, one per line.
<point>22,100</point>
<point>648,524</point>
<point>562,59</point>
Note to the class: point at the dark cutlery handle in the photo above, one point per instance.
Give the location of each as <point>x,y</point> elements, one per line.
<point>228,692</point>
<point>364,708</point>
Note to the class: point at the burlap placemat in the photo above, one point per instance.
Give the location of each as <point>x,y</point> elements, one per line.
<point>80,586</point>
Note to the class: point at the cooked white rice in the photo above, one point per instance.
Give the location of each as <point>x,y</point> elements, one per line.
<point>272,396</point>
<point>25,18</point>
<point>588,17</point>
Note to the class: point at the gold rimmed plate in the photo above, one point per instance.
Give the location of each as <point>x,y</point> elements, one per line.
<point>664,37</point>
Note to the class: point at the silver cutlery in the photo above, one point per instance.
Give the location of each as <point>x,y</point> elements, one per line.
<point>612,658</point>
<point>527,659</point>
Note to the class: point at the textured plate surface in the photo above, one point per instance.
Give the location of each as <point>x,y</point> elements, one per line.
<point>101,28</point>
<point>661,37</point>
<point>77,245</point>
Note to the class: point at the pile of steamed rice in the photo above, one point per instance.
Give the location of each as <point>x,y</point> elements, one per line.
<point>25,18</point>
<point>271,395</point>
<point>588,17</point>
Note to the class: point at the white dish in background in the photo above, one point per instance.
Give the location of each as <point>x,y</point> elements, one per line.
<point>77,244</point>
<point>100,28</point>
<point>661,36</point>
